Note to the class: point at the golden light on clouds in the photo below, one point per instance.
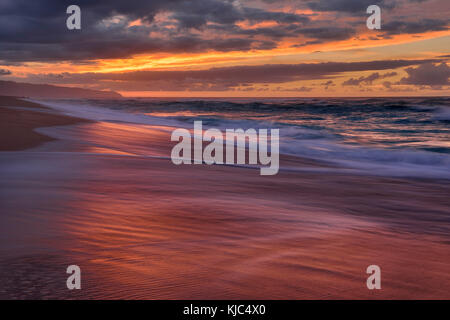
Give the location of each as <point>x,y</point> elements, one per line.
<point>267,34</point>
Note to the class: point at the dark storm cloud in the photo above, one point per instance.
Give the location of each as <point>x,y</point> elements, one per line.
<point>410,27</point>
<point>258,15</point>
<point>349,6</point>
<point>395,25</point>
<point>42,10</point>
<point>329,33</point>
<point>368,80</point>
<point>320,34</point>
<point>120,48</point>
<point>428,74</point>
<point>220,78</point>
<point>196,14</point>
<point>36,30</point>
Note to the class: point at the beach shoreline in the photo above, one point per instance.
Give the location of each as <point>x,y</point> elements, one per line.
<point>142,228</point>
<point>18,121</point>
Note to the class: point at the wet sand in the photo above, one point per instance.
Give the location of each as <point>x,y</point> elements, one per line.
<point>18,121</point>
<point>142,228</point>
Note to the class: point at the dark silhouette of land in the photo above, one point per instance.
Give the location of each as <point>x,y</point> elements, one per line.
<point>46,91</point>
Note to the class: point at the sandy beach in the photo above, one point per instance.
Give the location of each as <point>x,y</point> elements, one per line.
<point>18,121</point>
<point>74,191</point>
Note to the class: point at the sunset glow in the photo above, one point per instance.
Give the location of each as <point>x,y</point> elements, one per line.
<point>256,33</point>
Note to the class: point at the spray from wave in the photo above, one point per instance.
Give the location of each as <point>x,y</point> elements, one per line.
<point>395,137</point>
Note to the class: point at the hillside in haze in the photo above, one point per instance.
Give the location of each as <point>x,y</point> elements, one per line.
<point>11,88</point>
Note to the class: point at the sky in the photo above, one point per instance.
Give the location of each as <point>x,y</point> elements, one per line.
<point>230,48</point>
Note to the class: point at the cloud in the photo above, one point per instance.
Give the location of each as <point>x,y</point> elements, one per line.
<point>4,72</point>
<point>109,30</point>
<point>387,84</point>
<point>349,6</point>
<point>328,84</point>
<point>411,27</point>
<point>329,33</point>
<point>428,74</point>
<point>259,15</point>
<point>219,78</point>
<point>300,89</point>
<point>368,80</point>
<point>176,26</point>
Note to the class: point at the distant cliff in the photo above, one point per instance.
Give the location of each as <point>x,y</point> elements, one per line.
<point>19,89</point>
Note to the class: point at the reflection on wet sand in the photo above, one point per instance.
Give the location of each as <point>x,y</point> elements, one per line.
<point>141,227</point>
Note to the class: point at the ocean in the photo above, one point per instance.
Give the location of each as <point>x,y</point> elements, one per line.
<point>382,136</point>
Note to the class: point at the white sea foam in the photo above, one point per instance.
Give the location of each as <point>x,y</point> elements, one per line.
<point>297,141</point>
<point>442,113</point>
<point>86,111</point>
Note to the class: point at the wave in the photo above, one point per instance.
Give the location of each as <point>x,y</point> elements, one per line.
<point>442,113</point>
<point>371,160</point>
<point>321,142</point>
<point>87,111</point>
